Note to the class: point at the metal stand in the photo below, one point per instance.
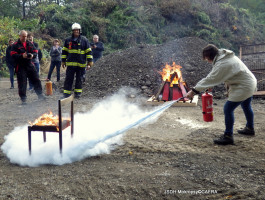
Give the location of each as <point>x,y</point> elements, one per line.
<point>62,124</point>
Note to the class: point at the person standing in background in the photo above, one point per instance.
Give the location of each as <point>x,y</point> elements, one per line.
<point>77,57</point>
<point>97,48</point>
<point>36,61</point>
<point>10,62</point>
<point>23,52</point>
<point>55,53</point>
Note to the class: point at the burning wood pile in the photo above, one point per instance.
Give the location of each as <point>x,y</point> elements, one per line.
<point>173,87</point>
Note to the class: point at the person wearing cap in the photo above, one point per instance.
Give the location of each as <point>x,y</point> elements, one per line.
<point>241,84</point>
<point>77,57</point>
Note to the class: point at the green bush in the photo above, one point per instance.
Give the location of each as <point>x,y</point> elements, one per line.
<point>4,72</point>
<point>174,9</point>
<point>203,18</point>
<point>204,34</point>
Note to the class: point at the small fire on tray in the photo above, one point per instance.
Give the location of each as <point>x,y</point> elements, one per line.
<point>47,119</point>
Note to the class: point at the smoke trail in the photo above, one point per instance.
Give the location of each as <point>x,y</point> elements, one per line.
<point>95,133</point>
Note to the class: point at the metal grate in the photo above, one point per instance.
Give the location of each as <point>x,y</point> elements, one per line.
<point>258,69</point>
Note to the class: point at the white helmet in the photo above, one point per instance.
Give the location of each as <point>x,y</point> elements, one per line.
<point>76,26</point>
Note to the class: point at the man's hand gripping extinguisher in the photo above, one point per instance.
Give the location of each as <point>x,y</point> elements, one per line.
<point>207,106</point>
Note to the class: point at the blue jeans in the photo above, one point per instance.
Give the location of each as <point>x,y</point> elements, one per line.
<point>37,67</point>
<point>229,108</point>
<point>11,72</point>
<point>54,64</point>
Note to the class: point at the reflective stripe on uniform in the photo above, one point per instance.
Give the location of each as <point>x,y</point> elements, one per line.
<point>78,90</point>
<point>64,56</point>
<point>65,49</point>
<point>88,50</point>
<point>67,91</point>
<point>89,56</point>
<point>75,64</point>
<point>78,51</point>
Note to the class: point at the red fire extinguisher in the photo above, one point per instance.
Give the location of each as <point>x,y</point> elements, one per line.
<point>207,106</point>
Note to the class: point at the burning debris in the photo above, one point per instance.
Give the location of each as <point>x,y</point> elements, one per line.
<point>173,87</point>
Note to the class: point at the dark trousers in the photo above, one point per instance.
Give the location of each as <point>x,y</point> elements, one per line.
<point>54,64</point>
<point>95,59</point>
<point>71,73</point>
<point>11,72</point>
<point>30,72</point>
<point>37,67</point>
<point>229,108</point>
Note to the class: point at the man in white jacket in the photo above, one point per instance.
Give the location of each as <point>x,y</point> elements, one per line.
<point>241,84</point>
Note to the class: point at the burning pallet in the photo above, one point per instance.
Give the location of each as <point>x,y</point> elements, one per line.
<point>173,87</point>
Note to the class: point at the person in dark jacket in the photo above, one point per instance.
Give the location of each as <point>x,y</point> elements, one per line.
<point>97,48</point>
<point>23,52</point>
<point>55,53</point>
<point>36,61</point>
<point>10,63</point>
<point>77,56</point>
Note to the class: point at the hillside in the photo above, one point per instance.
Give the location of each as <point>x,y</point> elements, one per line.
<point>124,24</point>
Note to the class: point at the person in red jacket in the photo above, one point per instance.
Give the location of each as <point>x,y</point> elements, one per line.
<point>23,52</point>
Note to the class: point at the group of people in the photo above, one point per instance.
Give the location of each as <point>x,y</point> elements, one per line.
<point>76,55</point>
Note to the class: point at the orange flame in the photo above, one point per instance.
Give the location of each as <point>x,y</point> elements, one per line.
<point>168,71</point>
<point>47,119</point>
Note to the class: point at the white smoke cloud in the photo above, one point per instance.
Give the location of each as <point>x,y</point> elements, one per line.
<point>96,132</point>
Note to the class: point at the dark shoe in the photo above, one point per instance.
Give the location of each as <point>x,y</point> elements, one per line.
<point>246,131</point>
<point>41,97</point>
<point>77,95</point>
<point>24,101</point>
<point>12,87</point>
<point>224,140</point>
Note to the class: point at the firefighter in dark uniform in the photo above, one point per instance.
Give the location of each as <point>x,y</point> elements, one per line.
<point>23,52</point>
<point>75,54</point>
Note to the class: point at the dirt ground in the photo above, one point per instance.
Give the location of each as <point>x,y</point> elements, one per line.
<point>172,158</point>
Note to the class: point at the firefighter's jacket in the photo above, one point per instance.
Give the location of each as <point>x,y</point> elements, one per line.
<point>18,50</point>
<point>76,52</point>
<point>229,69</point>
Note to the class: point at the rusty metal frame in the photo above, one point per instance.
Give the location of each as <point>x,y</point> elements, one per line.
<point>59,129</point>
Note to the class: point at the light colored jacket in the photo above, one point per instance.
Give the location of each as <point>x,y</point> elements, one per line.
<point>229,69</point>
